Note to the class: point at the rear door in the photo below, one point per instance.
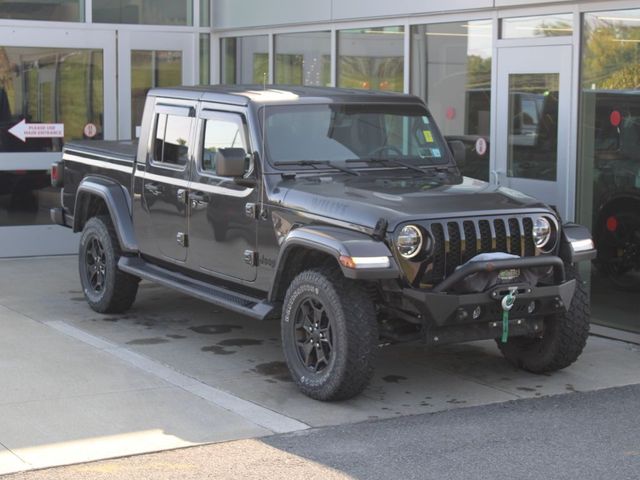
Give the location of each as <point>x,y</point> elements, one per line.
<point>166,181</point>
<point>222,235</point>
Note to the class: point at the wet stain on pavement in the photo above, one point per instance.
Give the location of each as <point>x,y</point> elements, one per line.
<point>275,370</point>
<point>239,342</point>
<point>217,349</point>
<point>455,401</point>
<point>176,337</point>
<point>213,329</point>
<point>526,389</point>
<point>78,299</point>
<point>147,341</point>
<point>393,378</point>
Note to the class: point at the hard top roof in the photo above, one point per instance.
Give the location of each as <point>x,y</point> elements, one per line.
<point>261,94</point>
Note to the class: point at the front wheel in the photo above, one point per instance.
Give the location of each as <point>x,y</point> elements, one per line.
<point>106,289</point>
<point>562,340</point>
<point>329,334</point>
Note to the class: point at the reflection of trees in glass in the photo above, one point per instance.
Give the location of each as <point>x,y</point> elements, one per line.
<point>289,69</point>
<point>611,55</point>
<point>557,28</point>
<point>478,72</point>
<point>372,73</point>
<point>54,85</point>
<point>260,68</point>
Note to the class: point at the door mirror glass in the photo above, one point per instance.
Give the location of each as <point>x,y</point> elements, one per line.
<point>231,162</point>
<point>459,152</point>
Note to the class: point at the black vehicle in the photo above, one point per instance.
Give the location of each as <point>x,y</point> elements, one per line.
<point>340,212</point>
<point>615,131</point>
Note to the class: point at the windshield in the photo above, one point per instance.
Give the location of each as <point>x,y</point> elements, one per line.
<point>334,135</point>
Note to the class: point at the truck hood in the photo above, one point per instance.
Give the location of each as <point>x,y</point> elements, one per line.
<point>398,196</point>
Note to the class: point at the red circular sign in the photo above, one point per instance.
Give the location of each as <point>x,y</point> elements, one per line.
<point>90,130</point>
<point>615,118</point>
<point>481,146</point>
<point>451,113</point>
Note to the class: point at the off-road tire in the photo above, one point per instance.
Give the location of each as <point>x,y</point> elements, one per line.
<point>563,338</point>
<point>354,334</point>
<point>118,289</point>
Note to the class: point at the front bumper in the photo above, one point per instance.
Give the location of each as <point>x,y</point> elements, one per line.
<point>481,312</point>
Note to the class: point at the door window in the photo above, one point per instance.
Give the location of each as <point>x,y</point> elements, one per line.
<point>171,140</point>
<point>222,131</point>
<point>533,129</point>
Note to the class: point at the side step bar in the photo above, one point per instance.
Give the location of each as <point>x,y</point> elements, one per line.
<point>253,307</point>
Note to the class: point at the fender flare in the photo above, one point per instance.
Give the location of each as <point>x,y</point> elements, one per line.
<point>576,244</point>
<point>336,242</point>
<point>118,203</point>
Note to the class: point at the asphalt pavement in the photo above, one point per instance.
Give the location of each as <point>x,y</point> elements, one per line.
<point>592,435</point>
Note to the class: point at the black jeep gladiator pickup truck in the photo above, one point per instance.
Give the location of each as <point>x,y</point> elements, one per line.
<point>341,212</point>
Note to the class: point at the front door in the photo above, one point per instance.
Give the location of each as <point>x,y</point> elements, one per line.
<point>222,235</point>
<point>147,60</point>
<point>533,140</point>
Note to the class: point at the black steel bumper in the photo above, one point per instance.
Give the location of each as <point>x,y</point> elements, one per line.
<point>440,307</point>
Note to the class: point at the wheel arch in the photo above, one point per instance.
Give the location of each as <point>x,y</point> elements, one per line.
<point>97,195</point>
<point>315,246</point>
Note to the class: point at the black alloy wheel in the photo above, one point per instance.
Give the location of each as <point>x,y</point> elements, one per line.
<point>314,334</point>
<point>96,265</point>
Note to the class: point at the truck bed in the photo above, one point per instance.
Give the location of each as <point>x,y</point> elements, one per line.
<point>124,150</point>
<point>101,158</point>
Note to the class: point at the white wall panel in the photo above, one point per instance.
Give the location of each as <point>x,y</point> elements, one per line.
<point>343,9</point>
<point>258,13</point>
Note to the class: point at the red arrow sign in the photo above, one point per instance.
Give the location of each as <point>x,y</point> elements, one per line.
<point>24,130</point>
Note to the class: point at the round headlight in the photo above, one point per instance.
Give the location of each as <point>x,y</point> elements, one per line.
<point>409,241</point>
<point>541,232</point>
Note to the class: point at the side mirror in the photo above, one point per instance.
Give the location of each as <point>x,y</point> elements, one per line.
<point>459,152</point>
<point>230,162</point>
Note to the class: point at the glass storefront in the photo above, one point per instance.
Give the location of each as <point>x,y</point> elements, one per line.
<point>43,86</point>
<point>205,59</point>
<point>51,10</point>
<point>150,69</point>
<point>371,58</point>
<point>451,71</point>
<point>303,58</point>
<point>149,12</point>
<point>244,60</point>
<point>609,162</point>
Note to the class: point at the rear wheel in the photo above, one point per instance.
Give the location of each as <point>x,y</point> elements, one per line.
<point>107,289</point>
<point>329,334</point>
<point>562,341</point>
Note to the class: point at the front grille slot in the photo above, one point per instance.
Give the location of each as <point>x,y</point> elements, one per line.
<point>456,242</point>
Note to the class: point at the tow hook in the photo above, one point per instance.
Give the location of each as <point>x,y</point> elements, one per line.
<point>507,303</point>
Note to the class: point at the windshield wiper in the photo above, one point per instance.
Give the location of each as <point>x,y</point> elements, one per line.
<point>386,160</point>
<point>314,163</point>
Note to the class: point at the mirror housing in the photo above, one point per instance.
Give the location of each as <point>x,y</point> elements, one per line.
<point>459,152</point>
<point>230,162</point>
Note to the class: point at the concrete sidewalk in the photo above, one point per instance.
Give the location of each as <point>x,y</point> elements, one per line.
<point>175,371</point>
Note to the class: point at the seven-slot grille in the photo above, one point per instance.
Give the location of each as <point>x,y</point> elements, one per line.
<point>457,241</point>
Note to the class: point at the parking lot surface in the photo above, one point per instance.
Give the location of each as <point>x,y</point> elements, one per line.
<point>175,371</point>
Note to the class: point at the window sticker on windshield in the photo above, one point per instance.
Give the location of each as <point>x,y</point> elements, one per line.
<point>435,152</point>
<point>425,120</point>
<point>428,137</point>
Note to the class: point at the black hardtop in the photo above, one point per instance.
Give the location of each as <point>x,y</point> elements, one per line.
<point>281,94</point>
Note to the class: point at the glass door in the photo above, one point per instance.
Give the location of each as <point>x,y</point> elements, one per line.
<point>54,88</point>
<point>147,60</point>
<point>533,140</point>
